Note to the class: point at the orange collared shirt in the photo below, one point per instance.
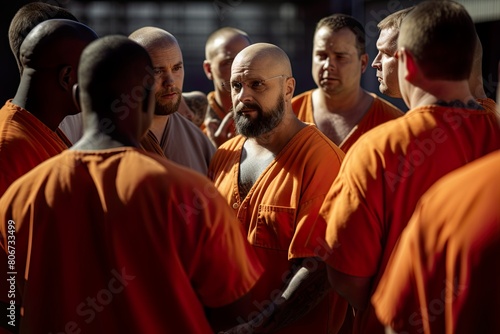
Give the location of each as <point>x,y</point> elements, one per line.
<point>279,214</point>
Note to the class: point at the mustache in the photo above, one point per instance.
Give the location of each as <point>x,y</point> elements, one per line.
<point>168,91</point>
<point>247,106</point>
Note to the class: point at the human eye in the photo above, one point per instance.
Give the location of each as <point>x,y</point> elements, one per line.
<point>177,68</point>
<point>157,71</point>
<point>226,62</point>
<point>321,56</point>
<point>256,85</point>
<point>236,86</point>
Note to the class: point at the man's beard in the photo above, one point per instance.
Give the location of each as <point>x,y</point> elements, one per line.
<point>168,108</point>
<point>263,123</point>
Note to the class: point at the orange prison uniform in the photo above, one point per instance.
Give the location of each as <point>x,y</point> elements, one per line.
<point>380,112</point>
<point>123,241</point>
<point>443,275</point>
<point>279,214</point>
<point>488,104</point>
<point>150,144</point>
<point>383,177</point>
<point>214,108</point>
<point>25,142</point>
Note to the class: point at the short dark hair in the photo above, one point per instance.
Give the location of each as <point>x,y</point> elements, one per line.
<point>110,64</point>
<point>442,38</point>
<point>336,22</point>
<point>394,20</point>
<point>29,16</point>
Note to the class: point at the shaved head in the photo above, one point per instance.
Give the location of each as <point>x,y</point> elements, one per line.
<point>262,87</point>
<point>115,81</point>
<point>168,66</point>
<point>55,42</point>
<point>152,37</point>
<point>266,57</point>
<point>221,37</point>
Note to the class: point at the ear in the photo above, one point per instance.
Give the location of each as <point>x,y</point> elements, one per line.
<point>290,88</point>
<point>410,65</point>
<point>364,62</point>
<point>76,96</point>
<point>67,77</point>
<point>207,68</point>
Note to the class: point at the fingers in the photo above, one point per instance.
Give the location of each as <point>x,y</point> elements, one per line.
<point>225,126</point>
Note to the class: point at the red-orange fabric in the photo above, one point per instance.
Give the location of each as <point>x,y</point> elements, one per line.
<point>443,275</point>
<point>221,113</point>
<point>25,142</point>
<point>488,104</point>
<point>380,112</point>
<point>279,215</point>
<point>383,177</point>
<point>150,144</point>
<point>123,241</point>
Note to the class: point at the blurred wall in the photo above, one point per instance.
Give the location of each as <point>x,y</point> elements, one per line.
<point>288,24</point>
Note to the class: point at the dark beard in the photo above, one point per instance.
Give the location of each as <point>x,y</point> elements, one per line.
<point>167,109</point>
<point>263,123</point>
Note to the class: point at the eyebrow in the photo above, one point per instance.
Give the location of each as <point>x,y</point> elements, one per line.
<point>160,67</point>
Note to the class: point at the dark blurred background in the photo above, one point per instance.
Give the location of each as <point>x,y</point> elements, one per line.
<point>288,24</point>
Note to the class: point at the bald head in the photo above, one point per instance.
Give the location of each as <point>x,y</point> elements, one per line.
<point>115,81</point>
<point>264,57</point>
<point>153,38</point>
<point>222,37</point>
<point>55,42</point>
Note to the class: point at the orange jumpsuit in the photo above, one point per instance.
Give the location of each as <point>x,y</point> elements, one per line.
<point>25,142</point>
<point>214,108</point>
<point>150,144</point>
<point>122,241</point>
<point>383,177</point>
<point>279,215</point>
<point>488,104</point>
<point>443,275</point>
<point>380,112</point>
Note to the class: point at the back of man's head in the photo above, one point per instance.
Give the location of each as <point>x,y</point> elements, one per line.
<point>52,43</point>
<point>336,22</point>
<point>115,80</point>
<point>29,16</point>
<point>441,37</point>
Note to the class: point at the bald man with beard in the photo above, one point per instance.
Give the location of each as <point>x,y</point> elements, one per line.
<point>105,246</point>
<point>181,140</point>
<point>275,175</point>
<point>49,58</point>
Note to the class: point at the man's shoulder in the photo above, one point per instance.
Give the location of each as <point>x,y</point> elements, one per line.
<point>382,105</point>
<point>192,131</point>
<point>304,96</point>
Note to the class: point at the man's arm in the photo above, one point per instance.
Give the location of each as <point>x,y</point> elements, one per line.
<point>307,287</point>
<point>355,289</point>
<point>389,330</point>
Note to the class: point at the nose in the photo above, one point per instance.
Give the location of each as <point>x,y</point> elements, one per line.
<point>244,95</point>
<point>376,62</point>
<point>167,79</point>
<point>328,63</point>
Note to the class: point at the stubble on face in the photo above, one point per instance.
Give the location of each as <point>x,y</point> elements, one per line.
<point>169,107</point>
